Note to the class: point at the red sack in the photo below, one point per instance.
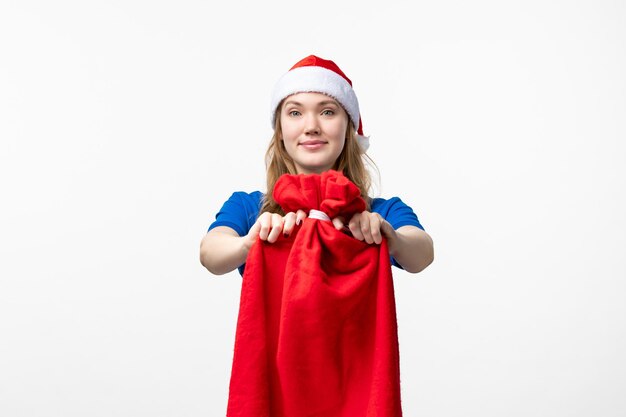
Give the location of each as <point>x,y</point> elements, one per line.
<point>316,333</point>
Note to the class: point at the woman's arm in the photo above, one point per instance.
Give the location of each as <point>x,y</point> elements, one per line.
<point>222,250</point>
<point>410,246</point>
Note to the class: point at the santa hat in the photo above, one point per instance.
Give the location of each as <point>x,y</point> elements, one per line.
<point>317,75</point>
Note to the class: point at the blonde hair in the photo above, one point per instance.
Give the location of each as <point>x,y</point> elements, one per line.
<point>351,162</point>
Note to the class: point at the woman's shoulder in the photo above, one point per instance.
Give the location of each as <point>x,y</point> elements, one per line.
<point>239,212</point>
<point>395,211</point>
<point>244,197</point>
<point>382,204</point>
<point>248,203</point>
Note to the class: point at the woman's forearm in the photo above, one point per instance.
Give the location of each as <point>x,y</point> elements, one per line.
<point>222,250</point>
<point>412,248</point>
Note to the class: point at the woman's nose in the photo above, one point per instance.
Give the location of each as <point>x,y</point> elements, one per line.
<point>312,126</point>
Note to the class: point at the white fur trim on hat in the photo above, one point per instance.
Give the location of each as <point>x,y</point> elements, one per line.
<point>311,79</point>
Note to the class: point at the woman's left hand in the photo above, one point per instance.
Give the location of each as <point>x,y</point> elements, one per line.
<point>367,226</point>
<point>410,246</point>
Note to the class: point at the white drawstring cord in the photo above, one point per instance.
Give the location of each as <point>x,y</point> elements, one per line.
<point>318,215</point>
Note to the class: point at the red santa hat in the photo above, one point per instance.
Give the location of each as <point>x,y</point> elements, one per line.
<point>317,75</point>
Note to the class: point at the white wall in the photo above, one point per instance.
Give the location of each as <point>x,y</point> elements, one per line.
<point>125,125</point>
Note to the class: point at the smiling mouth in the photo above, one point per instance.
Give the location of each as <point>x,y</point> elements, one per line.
<point>312,144</point>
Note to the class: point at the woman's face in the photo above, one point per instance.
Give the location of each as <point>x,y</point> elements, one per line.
<point>314,127</point>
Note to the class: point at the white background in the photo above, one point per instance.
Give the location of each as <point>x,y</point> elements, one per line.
<point>124,125</point>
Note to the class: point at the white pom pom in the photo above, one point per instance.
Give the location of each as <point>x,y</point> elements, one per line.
<point>364,142</point>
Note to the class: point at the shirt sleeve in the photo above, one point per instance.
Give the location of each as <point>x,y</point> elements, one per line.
<point>239,212</point>
<point>398,214</point>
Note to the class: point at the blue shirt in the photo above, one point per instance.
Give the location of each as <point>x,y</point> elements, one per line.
<point>241,210</point>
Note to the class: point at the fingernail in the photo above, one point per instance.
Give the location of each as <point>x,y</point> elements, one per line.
<point>298,222</point>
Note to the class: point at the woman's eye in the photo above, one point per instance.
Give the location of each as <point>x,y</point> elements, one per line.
<point>328,112</point>
<point>294,113</point>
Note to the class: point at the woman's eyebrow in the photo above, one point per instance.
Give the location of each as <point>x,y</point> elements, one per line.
<point>320,104</point>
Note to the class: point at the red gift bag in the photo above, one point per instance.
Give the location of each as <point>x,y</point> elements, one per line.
<point>316,333</point>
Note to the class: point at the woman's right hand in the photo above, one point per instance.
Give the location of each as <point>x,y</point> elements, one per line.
<point>270,225</point>
<point>222,249</point>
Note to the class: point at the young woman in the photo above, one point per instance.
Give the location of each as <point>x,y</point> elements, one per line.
<point>317,127</point>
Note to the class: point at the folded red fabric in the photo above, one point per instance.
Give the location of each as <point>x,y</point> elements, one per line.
<point>316,333</point>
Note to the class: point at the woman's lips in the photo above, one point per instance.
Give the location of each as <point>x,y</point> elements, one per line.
<point>312,144</point>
